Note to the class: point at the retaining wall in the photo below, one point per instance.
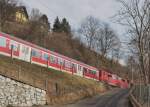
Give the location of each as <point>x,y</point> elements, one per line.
<point>20,94</point>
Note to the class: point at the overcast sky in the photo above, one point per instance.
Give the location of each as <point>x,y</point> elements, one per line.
<point>76,10</point>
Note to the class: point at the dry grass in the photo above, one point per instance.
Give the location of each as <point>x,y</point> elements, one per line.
<point>45,78</point>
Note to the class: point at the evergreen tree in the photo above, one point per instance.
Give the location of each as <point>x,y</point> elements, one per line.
<point>57,25</point>
<point>65,27</point>
<point>44,21</point>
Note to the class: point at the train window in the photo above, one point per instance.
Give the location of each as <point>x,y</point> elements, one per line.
<point>53,59</point>
<point>93,72</point>
<point>45,56</point>
<point>2,42</point>
<point>36,53</point>
<point>14,45</point>
<point>67,64</point>
<point>60,61</point>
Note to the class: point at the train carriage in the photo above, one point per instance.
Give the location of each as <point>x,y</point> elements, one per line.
<point>20,49</point>
<point>9,47</point>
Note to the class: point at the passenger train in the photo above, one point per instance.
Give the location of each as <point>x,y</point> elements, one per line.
<point>16,48</point>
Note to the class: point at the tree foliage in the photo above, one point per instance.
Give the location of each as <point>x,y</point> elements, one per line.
<point>65,27</point>
<point>61,26</point>
<point>44,21</point>
<point>7,11</point>
<point>57,25</point>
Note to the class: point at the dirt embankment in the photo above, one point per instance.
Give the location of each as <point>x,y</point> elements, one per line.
<point>61,87</point>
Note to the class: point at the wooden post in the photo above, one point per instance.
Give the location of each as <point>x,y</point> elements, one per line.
<point>46,85</point>
<point>48,61</point>
<point>72,68</point>
<point>12,51</point>
<point>31,56</point>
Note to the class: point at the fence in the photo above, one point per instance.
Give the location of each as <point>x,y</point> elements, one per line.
<point>142,94</point>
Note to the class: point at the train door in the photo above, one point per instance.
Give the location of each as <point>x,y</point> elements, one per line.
<point>53,61</point>
<point>45,58</point>
<point>100,75</point>
<point>60,63</point>
<point>80,70</point>
<point>25,52</point>
<point>68,66</point>
<point>97,75</point>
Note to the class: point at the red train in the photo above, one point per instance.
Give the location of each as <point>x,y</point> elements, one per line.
<point>20,49</point>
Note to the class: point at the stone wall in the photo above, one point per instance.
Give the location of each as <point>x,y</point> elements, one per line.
<point>19,94</point>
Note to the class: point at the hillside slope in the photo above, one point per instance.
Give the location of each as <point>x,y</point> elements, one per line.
<point>65,44</point>
<point>61,87</point>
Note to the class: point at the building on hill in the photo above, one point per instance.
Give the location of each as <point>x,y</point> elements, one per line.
<point>21,15</point>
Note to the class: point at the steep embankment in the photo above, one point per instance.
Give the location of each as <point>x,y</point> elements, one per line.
<point>61,87</point>
<point>59,42</point>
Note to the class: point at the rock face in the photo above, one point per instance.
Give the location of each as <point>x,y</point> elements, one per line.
<point>19,94</point>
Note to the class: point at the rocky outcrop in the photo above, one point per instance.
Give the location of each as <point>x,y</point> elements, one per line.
<point>20,94</point>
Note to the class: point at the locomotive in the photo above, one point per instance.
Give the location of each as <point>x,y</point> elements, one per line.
<point>17,48</point>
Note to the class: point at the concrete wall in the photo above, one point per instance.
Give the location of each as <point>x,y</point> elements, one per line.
<point>16,93</point>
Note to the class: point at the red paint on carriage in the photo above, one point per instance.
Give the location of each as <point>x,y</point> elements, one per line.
<point>39,60</point>
<point>5,50</point>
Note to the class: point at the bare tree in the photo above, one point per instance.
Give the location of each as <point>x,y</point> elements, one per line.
<point>89,28</point>
<point>135,15</point>
<point>7,11</point>
<point>106,40</point>
<point>35,15</point>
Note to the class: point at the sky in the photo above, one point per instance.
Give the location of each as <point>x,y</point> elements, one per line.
<point>76,10</point>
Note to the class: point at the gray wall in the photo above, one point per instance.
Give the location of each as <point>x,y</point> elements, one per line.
<point>17,93</point>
